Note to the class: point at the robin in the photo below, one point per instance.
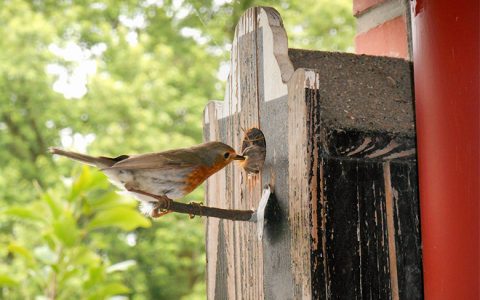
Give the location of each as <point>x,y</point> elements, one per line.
<point>169,175</point>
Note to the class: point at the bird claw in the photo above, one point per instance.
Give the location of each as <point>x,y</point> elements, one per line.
<point>159,210</point>
<point>197,204</point>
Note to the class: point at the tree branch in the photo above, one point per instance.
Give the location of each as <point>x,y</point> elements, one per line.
<point>196,209</point>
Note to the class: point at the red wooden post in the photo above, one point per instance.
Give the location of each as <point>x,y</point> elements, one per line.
<point>446,67</point>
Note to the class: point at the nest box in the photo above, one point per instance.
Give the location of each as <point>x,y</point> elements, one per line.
<point>340,159</point>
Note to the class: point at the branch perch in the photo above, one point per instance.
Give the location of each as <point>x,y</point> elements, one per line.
<point>199,210</point>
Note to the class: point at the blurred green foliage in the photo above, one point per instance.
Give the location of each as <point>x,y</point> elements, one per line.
<point>114,77</point>
<point>57,247</point>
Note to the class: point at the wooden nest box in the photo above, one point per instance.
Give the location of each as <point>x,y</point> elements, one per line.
<point>340,157</point>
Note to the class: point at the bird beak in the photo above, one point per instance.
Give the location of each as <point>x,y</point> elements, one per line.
<point>239,157</point>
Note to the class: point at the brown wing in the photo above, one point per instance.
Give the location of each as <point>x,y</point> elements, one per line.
<point>172,159</point>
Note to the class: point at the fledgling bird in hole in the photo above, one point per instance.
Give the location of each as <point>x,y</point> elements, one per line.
<point>171,174</point>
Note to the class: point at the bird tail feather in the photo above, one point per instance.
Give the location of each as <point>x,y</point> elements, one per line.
<point>100,162</point>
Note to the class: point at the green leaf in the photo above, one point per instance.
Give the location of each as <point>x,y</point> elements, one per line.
<point>115,288</point>
<point>19,249</point>
<point>24,213</point>
<point>88,180</point>
<point>108,200</point>
<point>122,217</point>
<point>54,206</point>
<point>86,256</point>
<point>109,289</point>
<point>6,280</point>
<point>65,229</point>
<point>96,274</point>
<point>81,183</point>
<point>49,239</point>
<point>68,275</point>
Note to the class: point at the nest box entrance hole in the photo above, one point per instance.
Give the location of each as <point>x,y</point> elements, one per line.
<point>254,148</point>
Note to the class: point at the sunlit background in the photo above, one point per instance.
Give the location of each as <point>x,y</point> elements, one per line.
<point>113,77</point>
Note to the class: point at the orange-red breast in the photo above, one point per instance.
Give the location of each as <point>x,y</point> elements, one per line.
<point>173,173</point>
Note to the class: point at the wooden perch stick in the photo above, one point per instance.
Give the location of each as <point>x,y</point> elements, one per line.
<point>198,209</point>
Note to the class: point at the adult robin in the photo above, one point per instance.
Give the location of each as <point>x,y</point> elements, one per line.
<point>165,175</point>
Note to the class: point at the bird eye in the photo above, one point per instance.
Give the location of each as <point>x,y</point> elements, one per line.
<point>226,155</point>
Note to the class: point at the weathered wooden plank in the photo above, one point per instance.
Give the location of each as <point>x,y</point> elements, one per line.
<point>407,229</point>
<point>299,209</point>
<point>357,248</point>
<point>248,188</point>
<point>392,247</point>
<point>274,69</point>
<point>276,241</point>
<point>214,191</point>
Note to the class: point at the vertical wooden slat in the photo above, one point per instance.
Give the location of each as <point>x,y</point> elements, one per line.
<point>407,229</point>
<point>392,249</point>
<point>243,252</point>
<point>299,193</point>
<point>248,190</point>
<point>214,191</point>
